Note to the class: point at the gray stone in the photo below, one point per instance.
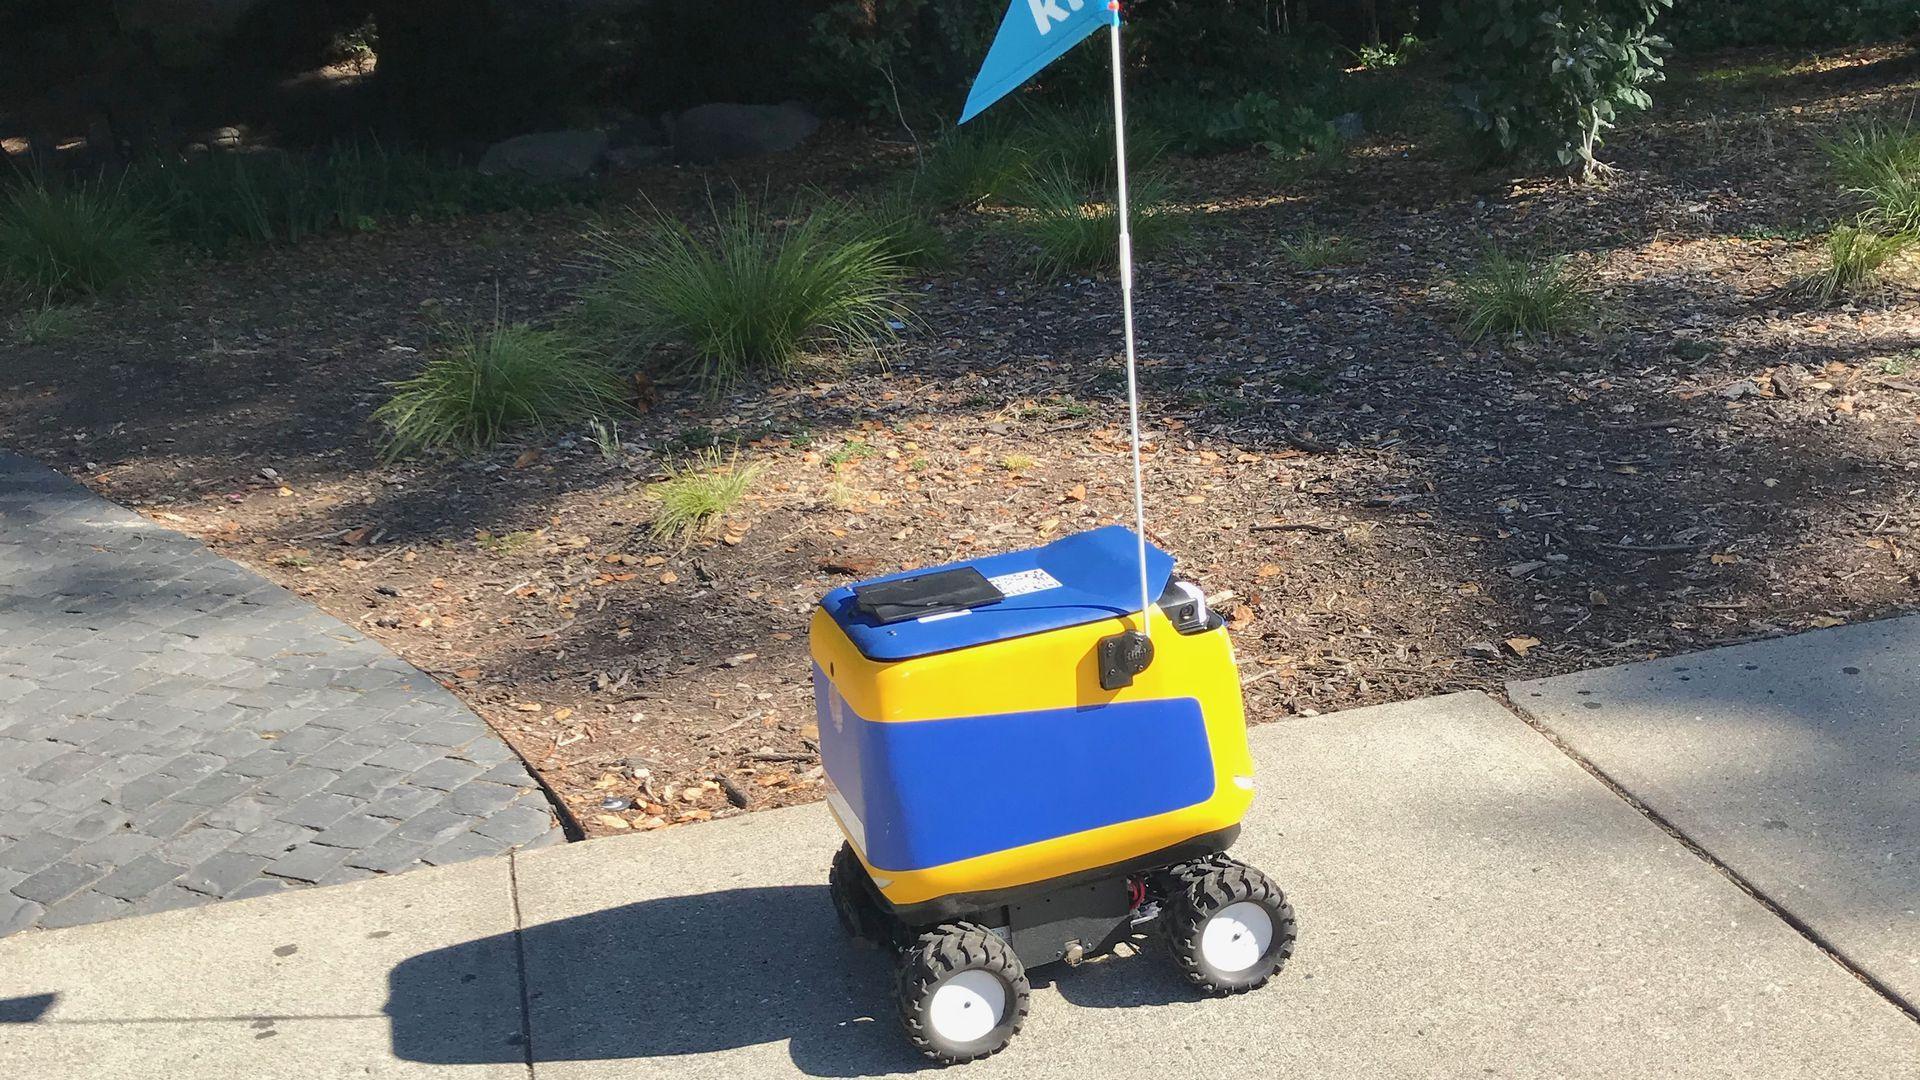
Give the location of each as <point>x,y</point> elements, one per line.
<point>722,131</point>
<point>463,847</point>
<point>518,824</point>
<point>320,810</point>
<point>308,862</point>
<point>223,873</point>
<point>355,831</point>
<point>35,853</point>
<point>87,907</point>
<point>138,878</point>
<point>57,882</point>
<point>546,155</point>
<point>480,798</point>
<point>444,775</point>
<point>244,815</point>
<point>1793,762</point>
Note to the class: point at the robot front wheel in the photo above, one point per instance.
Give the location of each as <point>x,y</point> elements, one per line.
<point>963,993</point>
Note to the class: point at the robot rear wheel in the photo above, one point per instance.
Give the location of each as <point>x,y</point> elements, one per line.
<point>1228,926</point>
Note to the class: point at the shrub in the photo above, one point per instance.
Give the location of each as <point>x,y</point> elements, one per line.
<point>695,496</point>
<point>968,166</point>
<point>1382,55</point>
<point>216,200</point>
<point>68,241</point>
<point>1198,125</point>
<point>1856,258</point>
<point>1072,233</point>
<point>1533,298</point>
<point>487,382</point>
<point>1312,249</point>
<point>1544,78</point>
<point>749,300</point>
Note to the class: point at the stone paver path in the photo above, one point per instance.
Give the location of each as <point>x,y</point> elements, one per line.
<point>175,729</point>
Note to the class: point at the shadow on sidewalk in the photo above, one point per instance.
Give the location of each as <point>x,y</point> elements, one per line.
<point>720,971</point>
<point>663,978</point>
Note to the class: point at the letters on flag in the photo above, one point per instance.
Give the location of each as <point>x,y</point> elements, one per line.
<point>1034,34</point>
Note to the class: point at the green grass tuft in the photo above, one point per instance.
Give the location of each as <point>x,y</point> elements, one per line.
<point>1072,233</point>
<point>1311,249</point>
<point>488,382</point>
<point>749,298</point>
<point>1532,298</point>
<point>698,494</point>
<point>967,167</point>
<point>1880,162</point>
<point>904,232</point>
<point>48,324</point>
<point>1856,261</point>
<point>73,240</point>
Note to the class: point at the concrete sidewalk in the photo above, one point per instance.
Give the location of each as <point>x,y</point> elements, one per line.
<point>1472,903</point>
<point>1794,762</point>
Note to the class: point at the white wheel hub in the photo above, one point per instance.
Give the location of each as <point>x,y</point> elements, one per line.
<point>1236,937</point>
<point>968,1006</point>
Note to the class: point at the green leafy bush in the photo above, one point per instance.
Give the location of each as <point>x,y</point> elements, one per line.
<point>1543,79</point>
<point>216,200</point>
<point>1856,259</point>
<point>1075,230</point>
<point>749,298</point>
<point>1531,298</point>
<point>62,241</point>
<point>485,383</point>
<point>1259,119</point>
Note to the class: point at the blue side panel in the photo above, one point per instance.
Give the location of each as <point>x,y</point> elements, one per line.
<point>1099,578</point>
<point>935,791</point>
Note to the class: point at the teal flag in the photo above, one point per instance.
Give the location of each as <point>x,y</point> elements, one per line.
<point>1034,34</point>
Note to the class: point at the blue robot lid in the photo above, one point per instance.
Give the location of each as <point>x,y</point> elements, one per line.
<point>1077,579</point>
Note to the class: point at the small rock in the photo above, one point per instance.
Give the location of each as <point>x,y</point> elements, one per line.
<point>722,131</point>
<point>546,155</point>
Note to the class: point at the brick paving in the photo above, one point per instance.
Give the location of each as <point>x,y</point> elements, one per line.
<point>175,729</point>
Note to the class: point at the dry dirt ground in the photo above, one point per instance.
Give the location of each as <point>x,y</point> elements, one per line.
<point>1386,509</point>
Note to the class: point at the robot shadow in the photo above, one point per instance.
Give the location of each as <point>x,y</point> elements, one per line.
<point>705,974</point>
<point>679,976</point>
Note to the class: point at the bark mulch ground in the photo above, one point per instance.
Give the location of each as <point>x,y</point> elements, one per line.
<point>1383,509</point>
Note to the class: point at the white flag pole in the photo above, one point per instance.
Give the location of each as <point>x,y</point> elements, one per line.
<point>1126,303</point>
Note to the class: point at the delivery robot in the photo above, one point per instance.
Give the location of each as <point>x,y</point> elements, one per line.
<point>1029,769</point>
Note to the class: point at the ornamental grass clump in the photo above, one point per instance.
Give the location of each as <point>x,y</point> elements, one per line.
<point>1525,297</point>
<point>486,383</point>
<point>749,296</point>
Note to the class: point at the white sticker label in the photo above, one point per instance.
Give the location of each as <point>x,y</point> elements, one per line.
<point>1024,582</point>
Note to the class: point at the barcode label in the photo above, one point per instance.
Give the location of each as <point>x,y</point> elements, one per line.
<point>1024,582</point>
